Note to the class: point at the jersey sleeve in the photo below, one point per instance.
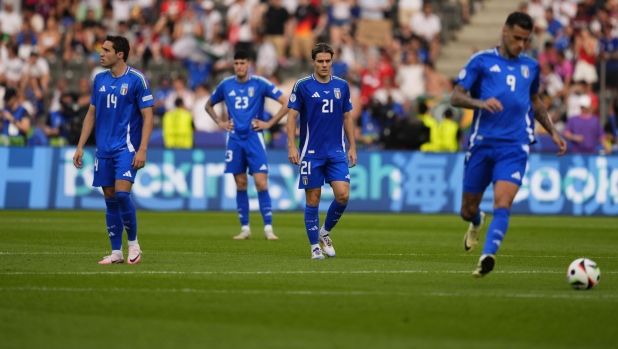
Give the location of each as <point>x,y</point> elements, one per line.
<point>94,90</point>
<point>534,87</point>
<point>296,98</point>
<point>347,100</point>
<point>217,94</point>
<point>470,73</point>
<point>143,93</point>
<point>272,91</point>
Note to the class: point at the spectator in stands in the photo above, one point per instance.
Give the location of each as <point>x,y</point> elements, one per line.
<point>609,56</point>
<point>436,84</point>
<point>309,23</point>
<point>179,90</point>
<point>392,96</point>
<point>277,29</point>
<point>551,83</point>
<point>411,77</point>
<point>49,42</point>
<point>586,48</point>
<point>13,68</point>
<point>549,54</point>
<point>55,129</point>
<point>585,131</point>
<point>564,69</point>
<point>211,20</point>
<point>178,127</point>
<point>373,9</point>
<point>540,36</point>
<point>266,62</point>
<point>10,20</point>
<point>536,9</point>
<point>241,26</point>
<point>564,11</point>
<point>84,93</point>
<point>160,95</point>
<point>427,25</point>
<point>371,79</point>
<point>552,23</point>
<point>16,122</point>
<point>201,120</point>
<point>407,9</point>
<point>37,67</point>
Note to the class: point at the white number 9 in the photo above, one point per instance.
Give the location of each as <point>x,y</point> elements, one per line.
<point>510,80</point>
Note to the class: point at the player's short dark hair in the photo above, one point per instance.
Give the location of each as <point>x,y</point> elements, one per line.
<point>448,113</point>
<point>242,54</point>
<point>9,93</point>
<point>322,48</point>
<point>179,102</point>
<point>119,44</point>
<point>520,19</point>
<point>422,108</point>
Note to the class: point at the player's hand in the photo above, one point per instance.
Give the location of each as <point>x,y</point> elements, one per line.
<point>293,156</point>
<point>352,158</point>
<point>259,125</point>
<point>139,160</point>
<point>560,142</point>
<point>492,105</point>
<point>227,125</point>
<point>77,158</point>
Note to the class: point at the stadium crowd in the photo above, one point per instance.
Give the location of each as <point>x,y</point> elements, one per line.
<point>386,49</point>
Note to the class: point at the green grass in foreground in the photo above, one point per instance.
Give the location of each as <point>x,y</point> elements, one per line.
<point>398,281</point>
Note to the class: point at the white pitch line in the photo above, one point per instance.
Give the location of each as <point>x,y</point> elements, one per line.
<point>312,293</point>
<point>469,255</point>
<point>281,272</point>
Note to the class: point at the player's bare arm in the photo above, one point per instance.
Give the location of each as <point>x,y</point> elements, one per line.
<point>139,160</point>
<point>86,131</point>
<point>540,114</point>
<point>262,125</point>
<point>460,98</point>
<point>227,125</point>
<point>348,128</point>
<point>293,155</point>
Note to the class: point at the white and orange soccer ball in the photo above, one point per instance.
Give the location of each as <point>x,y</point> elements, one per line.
<point>583,274</point>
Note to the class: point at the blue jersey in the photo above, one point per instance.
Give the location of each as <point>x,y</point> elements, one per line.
<point>512,82</point>
<point>321,107</point>
<point>245,101</point>
<point>118,102</point>
<point>10,129</point>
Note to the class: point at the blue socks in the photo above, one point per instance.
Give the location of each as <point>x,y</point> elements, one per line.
<point>242,203</point>
<point>476,220</point>
<point>312,224</point>
<point>127,212</point>
<point>497,230</point>
<point>114,223</point>
<point>334,214</point>
<point>265,207</point>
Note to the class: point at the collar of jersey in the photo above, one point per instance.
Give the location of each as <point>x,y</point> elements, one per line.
<point>313,77</point>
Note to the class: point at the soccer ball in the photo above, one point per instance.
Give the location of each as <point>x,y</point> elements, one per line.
<point>583,274</point>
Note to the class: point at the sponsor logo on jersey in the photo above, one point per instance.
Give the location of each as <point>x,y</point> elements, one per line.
<point>337,93</point>
<point>124,89</point>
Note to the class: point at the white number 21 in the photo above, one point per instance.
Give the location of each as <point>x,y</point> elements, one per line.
<point>510,80</point>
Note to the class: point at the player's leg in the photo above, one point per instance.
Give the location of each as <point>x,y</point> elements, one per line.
<point>104,177</point>
<point>242,205</point>
<point>125,174</point>
<point>258,167</point>
<point>507,175</point>
<point>338,175</point>
<point>236,164</point>
<point>312,180</point>
<point>312,220</point>
<point>477,176</point>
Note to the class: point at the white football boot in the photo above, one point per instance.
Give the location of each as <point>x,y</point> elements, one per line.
<point>245,233</point>
<point>326,242</point>
<point>471,239</point>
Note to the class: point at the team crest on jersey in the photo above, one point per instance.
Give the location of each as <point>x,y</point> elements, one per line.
<point>251,92</point>
<point>124,89</point>
<point>525,72</point>
<point>337,93</point>
<point>305,180</point>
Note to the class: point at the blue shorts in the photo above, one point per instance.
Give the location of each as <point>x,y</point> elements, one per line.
<point>315,172</point>
<point>243,153</point>
<point>486,165</point>
<point>108,170</point>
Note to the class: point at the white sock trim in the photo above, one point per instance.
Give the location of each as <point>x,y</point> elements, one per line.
<point>118,253</point>
<point>134,242</point>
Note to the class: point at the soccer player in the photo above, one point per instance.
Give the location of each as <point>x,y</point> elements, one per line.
<point>244,96</point>
<point>323,103</point>
<point>503,87</point>
<point>121,113</point>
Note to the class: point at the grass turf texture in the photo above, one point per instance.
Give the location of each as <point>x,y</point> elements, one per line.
<point>398,281</point>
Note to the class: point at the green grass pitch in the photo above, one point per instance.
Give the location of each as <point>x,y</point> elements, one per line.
<point>398,281</point>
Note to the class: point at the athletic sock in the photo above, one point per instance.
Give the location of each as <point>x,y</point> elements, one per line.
<point>335,211</point>
<point>312,223</point>
<point>114,224</point>
<point>127,212</point>
<point>497,230</point>
<point>265,207</point>
<point>476,220</point>
<point>242,204</point>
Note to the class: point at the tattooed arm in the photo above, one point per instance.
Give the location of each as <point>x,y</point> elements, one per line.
<point>540,114</point>
<point>462,99</point>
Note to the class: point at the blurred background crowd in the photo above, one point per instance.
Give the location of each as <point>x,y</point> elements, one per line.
<point>386,49</point>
